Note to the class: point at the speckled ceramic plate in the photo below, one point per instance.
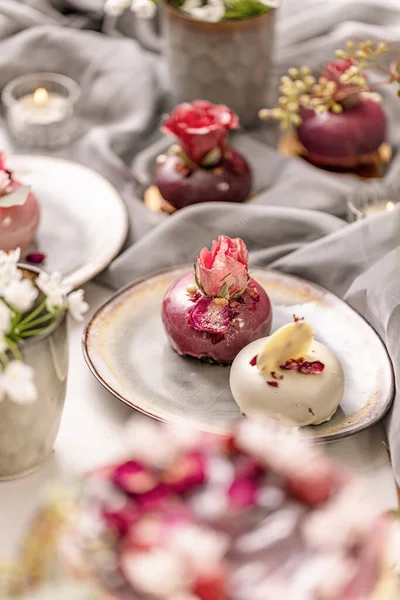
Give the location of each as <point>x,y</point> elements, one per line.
<point>128,352</point>
<point>83,218</point>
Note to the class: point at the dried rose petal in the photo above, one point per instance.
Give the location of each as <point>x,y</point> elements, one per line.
<point>153,498</point>
<point>121,520</point>
<point>292,365</point>
<point>248,467</point>
<point>186,473</point>
<point>296,319</point>
<point>212,586</point>
<point>133,478</point>
<point>303,366</point>
<point>233,314</point>
<point>273,383</point>
<point>254,294</point>
<point>315,488</point>
<point>243,492</point>
<point>253,305</point>
<point>276,376</point>
<point>253,361</point>
<point>36,258</point>
<point>310,368</point>
<point>209,317</point>
<point>194,297</point>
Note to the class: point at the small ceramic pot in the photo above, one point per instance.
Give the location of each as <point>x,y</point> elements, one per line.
<point>226,62</point>
<point>28,432</point>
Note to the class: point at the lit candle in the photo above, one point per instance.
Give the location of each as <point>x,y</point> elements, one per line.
<point>40,109</point>
<point>378,208</point>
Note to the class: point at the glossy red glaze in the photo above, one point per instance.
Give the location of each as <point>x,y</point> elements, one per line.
<point>18,224</point>
<point>229,181</point>
<point>252,324</point>
<point>341,140</point>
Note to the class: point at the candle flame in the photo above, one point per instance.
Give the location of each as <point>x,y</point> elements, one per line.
<point>390,206</point>
<point>40,97</point>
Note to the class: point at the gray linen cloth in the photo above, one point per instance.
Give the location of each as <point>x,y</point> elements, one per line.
<point>292,223</point>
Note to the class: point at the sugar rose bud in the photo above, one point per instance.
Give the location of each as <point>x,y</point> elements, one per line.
<point>223,271</point>
<point>201,128</point>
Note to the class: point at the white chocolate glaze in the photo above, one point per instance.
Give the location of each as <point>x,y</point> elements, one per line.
<point>302,399</point>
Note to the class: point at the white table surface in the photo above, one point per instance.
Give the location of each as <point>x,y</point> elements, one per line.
<point>90,434</point>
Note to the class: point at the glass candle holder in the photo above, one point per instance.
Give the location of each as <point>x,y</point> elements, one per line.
<point>39,109</point>
<point>371,199</point>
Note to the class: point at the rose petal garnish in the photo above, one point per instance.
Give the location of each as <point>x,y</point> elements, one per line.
<point>276,376</point>
<point>253,361</point>
<point>253,305</point>
<point>36,258</point>
<point>133,478</point>
<point>254,294</point>
<point>121,520</point>
<point>304,366</point>
<point>243,492</point>
<point>216,338</point>
<point>209,317</point>
<point>311,368</point>
<point>296,318</point>
<point>186,473</point>
<point>273,383</point>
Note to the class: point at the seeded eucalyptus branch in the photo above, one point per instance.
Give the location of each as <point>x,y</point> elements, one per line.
<point>336,88</point>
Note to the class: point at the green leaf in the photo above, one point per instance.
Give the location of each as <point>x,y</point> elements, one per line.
<point>244,9</point>
<point>224,291</point>
<point>17,197</point>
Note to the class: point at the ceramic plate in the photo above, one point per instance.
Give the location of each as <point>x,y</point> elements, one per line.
<point>83,218</point>
<point>127,350</point>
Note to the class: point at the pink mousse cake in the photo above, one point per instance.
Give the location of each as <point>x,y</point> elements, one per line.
<point>261,515</point>
<point>216,311</point>
<point>18,224</point>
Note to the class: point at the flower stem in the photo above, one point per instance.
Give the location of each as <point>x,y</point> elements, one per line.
<point>4,359</point>
<point>33,332</point>
<point>34,314</point>
<point>13,348</point>
<point>24,326</point>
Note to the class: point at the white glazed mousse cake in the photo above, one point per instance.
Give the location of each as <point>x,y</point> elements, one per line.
<point>289,376</point>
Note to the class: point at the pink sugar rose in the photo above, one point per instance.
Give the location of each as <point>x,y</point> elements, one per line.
<point>201,127</point>
<point>223,270</point>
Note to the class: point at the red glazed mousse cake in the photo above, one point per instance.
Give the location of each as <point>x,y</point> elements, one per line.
<point>260,515</point>
<point>19,216</point>
<point>216,311</point>
<point>203,167</point>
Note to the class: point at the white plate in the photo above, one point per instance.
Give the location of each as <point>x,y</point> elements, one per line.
<point>127,350</point>
<point>83,218</point>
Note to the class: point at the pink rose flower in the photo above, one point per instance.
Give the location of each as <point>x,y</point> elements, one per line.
<point>223,270</point>
<point>201,127</point>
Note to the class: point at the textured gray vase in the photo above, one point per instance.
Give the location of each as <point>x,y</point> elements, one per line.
<point>28,432</point>
<point>226,63</point>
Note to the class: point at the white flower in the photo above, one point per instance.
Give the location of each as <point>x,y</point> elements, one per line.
<point>200,547</point>
<point>16,383</point>
<point>20,294</point>
<point>54,288</point>
<point>158,573</point>
<point>76,305</point>
<point>213,11</point>
<point>8,268</point>
<point>189,5</point>
<point>4,181</point>
<point>5,318</point>
<point>115,8</point>
<point>145,9</point>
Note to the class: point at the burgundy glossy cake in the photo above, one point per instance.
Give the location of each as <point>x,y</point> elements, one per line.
<point>216,311</point>
<point>203,167</point>
<point>260,515</point>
